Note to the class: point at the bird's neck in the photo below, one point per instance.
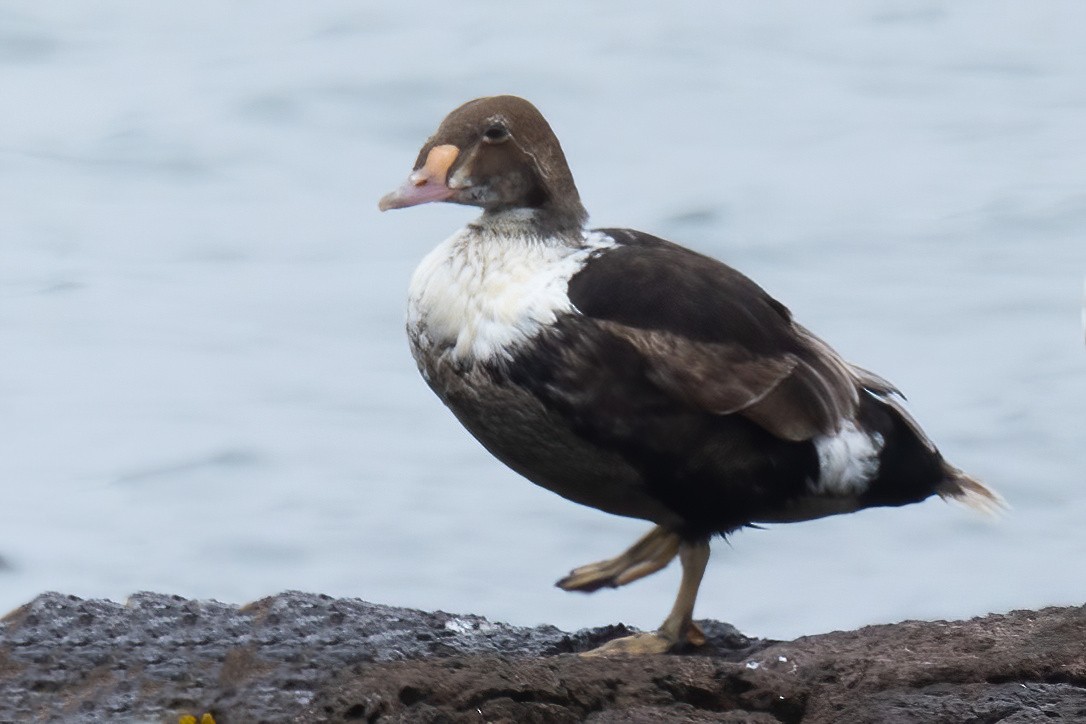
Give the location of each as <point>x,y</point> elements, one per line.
<point>543,223</point>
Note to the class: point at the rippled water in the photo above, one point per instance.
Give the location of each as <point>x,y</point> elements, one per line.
<point>204,383</point>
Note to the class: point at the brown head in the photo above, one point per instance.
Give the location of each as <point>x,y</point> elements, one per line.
<point>498,153</point>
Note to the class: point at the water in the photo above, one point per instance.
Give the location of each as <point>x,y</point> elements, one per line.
<point>205,384</point>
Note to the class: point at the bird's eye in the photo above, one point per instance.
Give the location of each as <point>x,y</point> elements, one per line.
<point>496,134</point>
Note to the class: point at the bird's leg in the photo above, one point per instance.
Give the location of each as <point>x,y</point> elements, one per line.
<point>679,626</point>
<point>650,553</point>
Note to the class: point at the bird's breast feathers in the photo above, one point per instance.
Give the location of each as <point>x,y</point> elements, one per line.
<point>480,295</point>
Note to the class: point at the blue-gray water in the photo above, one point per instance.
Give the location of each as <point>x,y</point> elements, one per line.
<point>204,383</point>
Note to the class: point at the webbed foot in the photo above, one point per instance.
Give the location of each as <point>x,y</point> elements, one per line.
<point>653,642</point>
<point>649,554</point>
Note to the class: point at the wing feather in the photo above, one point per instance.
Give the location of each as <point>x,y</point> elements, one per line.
<point>713,339</point>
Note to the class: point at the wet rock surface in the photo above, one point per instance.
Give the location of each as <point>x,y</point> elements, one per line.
<point>310,658</point>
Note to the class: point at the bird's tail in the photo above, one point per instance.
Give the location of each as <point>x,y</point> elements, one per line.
<point>959,487</point>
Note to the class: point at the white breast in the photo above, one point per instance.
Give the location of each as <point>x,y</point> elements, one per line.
<point>484,291</point>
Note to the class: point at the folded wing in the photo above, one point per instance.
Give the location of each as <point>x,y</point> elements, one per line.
<point>713,339</point>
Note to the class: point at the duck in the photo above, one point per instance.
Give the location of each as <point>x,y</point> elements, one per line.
<point>636,376</point>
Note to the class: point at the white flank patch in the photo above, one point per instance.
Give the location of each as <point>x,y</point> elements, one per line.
<point>847,460</point>
<point>487,289</point>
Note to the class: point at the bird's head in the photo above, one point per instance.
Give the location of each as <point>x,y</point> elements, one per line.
<point>498,153</point>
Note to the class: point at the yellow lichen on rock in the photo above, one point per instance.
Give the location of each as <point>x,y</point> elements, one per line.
<point>190,719</point>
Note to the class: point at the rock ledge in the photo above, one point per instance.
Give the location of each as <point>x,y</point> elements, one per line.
<point>309,658</point>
